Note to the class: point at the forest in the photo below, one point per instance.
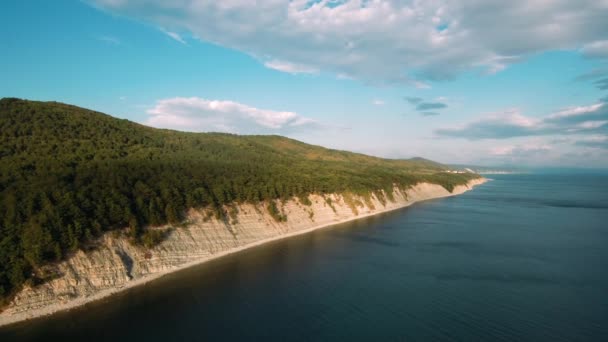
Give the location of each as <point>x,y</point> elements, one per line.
<point>68,174</point>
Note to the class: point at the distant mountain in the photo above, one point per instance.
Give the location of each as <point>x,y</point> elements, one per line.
<point>429,163</point>
<point>69,174</point>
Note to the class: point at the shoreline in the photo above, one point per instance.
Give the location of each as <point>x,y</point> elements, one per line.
<point>79,302</point>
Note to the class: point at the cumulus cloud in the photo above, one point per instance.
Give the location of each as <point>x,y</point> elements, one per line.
<point>511,123</point>
<point>384,41</point>
<point>202,115</point>
<point>507,124</point>
<point>578,114</point>
<point>378,102</point>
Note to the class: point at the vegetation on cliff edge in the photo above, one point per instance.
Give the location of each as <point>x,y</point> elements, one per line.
<point>67,175</point>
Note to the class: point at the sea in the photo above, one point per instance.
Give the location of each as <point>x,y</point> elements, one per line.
<point>523,257</point>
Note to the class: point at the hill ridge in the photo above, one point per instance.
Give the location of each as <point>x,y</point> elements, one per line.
<point>69,174</point>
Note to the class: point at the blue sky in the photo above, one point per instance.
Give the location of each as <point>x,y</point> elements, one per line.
<point>483,82</point>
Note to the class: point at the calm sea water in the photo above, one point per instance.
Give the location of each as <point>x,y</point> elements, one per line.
<point>524,257</point>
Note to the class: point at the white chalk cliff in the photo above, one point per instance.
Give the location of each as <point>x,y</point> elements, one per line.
<point>116,264</point>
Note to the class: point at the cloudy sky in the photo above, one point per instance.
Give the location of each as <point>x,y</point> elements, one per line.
<point>521,82</point>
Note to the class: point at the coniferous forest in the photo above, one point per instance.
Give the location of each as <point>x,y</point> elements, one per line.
<point>67,175</point>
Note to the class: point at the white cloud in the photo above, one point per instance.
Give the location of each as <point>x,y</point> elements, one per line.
<point>202,115</point>
<point>377,102</point>
<point>174,36</point>
<point>520,150</point>
<point>572,136</point>
<point>421,85</point>
<point>512,123</point>
<point>527,152</point>
<point>592,124</point>
<point>598,49</point>
<point>384,41</point>
<point>289,67</point>
<point>575,111</point>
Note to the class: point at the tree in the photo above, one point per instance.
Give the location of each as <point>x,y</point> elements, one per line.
<point>171,214</point>
<point>36,241</point>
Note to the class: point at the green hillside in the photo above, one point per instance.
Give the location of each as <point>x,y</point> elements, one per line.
<point>68,174</point>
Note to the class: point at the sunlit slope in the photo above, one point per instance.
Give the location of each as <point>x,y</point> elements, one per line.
<point>68,174</point>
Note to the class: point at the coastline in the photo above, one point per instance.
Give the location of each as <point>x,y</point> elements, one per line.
<point>9,319</point>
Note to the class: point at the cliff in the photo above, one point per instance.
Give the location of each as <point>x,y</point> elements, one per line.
<point>115,264</point>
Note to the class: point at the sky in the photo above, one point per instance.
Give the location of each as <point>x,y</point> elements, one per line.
<point>484,82</point>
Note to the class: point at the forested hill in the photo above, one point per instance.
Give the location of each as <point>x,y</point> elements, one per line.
<point>68,174</point>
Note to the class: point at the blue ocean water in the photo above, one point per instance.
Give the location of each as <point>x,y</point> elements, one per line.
<point>520,258</point>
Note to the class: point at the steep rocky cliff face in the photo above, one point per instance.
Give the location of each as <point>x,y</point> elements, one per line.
<point>116,264</point>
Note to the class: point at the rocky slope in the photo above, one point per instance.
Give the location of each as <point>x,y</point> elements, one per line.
<point>115,264</point>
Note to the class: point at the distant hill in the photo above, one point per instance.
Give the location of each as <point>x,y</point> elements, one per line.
<point>428,163</point>
<point>69,174</point>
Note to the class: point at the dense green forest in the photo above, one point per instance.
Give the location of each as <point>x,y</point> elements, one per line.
<point>69,174</point>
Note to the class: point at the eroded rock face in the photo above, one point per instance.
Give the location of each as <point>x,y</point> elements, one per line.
<point>116,264</point>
